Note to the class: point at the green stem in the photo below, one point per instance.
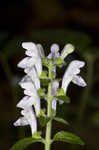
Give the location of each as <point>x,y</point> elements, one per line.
<point>49,110</point>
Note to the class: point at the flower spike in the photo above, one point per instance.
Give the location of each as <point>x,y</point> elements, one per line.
<point>47,89</point>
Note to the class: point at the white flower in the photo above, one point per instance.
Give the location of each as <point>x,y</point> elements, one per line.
<point>26,62</point>
<point>33,57</point>
<point>41,50</point>
<point>32,95</point>
<point>32,73</point>
<point>79,81</point>
<point>27,119</point>
<point>69,48</point>
<point>71,74</point>
<point>55,85</point>
<point>54,52</point>
<point>54,103</point>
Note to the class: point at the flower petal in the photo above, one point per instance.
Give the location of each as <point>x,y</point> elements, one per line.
<point>38,66</point>
<point>32,73</point>
<point>54,103</point>
<point>26,62</point>
<point>41,50</point>
<point>71,71</point>
<point>28,45</point>
<point>27,84</point>
<point>30,117</point>
<point>23,103</point>
<point>27,102</point>
<point>79,81</point>
<point>21,122</point>
<point>55,85</point>
<point>69,48</point>
<point>54,52</point>
<point>31,49</point>
<point>54,48</point>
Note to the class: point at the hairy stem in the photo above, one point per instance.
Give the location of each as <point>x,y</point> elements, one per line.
<point>49,110</point>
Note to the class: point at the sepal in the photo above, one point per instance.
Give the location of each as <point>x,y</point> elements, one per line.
<point>45,82</point>
<point>37,135</point>
<point>42,113</point>
<point>41,92</point>
<point>43,75</point>
<point>43,119</point>
<point>61,95</point>
<point>59,61</point>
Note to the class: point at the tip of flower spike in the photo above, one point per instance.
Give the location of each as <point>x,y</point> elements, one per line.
<point>54,48</point>
<point>28,45</point>
<point>69,48</point>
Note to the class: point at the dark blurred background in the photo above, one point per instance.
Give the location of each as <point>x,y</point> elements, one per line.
<point>47,22</point>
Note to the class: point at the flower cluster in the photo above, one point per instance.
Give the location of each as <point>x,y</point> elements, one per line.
<point>32,65</point>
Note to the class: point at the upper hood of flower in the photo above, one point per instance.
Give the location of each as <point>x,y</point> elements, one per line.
<point>33,58</point>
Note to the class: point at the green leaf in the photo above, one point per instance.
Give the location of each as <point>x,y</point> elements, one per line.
<point>68,137</point>
<point>59,61</point>
<point>43,75</point>
<point>41,92</point>
<point>22,144</point>
<point>61,120</point>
